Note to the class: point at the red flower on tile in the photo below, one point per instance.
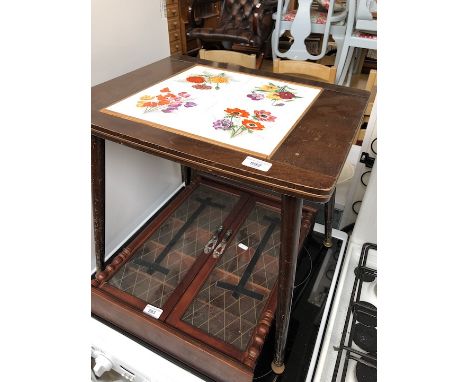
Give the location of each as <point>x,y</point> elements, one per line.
<point>196,79</point>
<point>286,95</point>
<point>263,115</point>
<point>252,125</point>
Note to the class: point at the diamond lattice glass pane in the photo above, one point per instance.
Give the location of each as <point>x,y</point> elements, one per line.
<point>230,302</point>
<point>161,262</point>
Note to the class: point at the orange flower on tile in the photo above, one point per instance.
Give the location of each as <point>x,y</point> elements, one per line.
<point>150,104</point>
<point>196,79</point>
<point>165,90</point>
<point>219,80</point>
<point>252,125</point>
<point>237,112</point>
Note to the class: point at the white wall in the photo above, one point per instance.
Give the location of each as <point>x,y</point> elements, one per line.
<point>126,35</point>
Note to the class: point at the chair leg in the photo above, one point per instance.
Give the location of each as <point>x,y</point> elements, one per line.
<point>352,67</point>
<point>339,41</point>
<point>346,63</point>
<point>360,63</point>
<point>274,43</point>
<point>341,62</point>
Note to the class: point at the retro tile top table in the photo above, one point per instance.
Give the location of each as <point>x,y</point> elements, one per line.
<point>210,117</point>
<point>240,111</point>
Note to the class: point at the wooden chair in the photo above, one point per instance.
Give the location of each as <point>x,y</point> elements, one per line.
<point>304,21</point>
<point>316,71</point>
<point>230,57</point>
<point>360,34</point>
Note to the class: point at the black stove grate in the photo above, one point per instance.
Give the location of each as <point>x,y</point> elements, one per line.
<point>360,323</point>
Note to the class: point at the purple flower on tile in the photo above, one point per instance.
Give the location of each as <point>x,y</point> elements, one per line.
<point>190,104</point>
<point>169,110</point>
<point>255,96</point>
<point>222,124</point>
<point>184,94</point>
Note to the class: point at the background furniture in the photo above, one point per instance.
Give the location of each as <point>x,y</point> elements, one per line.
<point>298,171</point>
<point>174,26</point>
<point>303,22</point>
<point>229,57</point>
<point>355,38</point>
<point>242,26</point>
<point>197,14</point>
<point>311,69</point>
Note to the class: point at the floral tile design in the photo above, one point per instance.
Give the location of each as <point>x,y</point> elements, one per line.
<point>277,94</point>
<point>165,101</point>
<point>238,121</point>
<point>207,80</point>
<point>234,110</point>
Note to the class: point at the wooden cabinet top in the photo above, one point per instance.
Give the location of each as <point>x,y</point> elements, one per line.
<point>306,165</point>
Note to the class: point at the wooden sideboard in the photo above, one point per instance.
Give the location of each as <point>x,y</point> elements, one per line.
<point>173,26</point>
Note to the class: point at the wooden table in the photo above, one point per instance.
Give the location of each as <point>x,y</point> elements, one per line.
<point>306,165</point>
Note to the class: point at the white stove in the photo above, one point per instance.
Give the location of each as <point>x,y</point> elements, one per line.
<point>347,352</point>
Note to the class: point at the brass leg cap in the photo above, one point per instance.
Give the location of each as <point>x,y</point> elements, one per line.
<point>328,243</point>
<point>277,369</point>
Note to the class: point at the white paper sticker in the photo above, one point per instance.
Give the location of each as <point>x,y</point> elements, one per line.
<point>243,246</point>
<point>152,311</point>
<point>256,163</point>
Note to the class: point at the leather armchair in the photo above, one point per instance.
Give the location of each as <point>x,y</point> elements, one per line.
<point>246,22</point>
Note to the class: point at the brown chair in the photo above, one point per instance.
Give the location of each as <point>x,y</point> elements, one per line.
<point>229,57</point>
<point>244,25</point>
<point>310,69</point>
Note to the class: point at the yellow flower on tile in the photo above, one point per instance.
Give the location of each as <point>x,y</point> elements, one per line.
<point>219,80</point>
<point>268,88</point>
<point>273,96</point>
<point>146,98</point>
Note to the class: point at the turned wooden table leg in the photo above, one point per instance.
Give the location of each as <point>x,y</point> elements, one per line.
<point>98,191</point>
<point>329,207</point>
<point>291,210</point>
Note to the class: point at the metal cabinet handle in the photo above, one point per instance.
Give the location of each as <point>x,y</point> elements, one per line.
<point>222,246</point>
<point>213,241</point>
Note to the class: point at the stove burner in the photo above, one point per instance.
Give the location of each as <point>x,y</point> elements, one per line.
<point>365,373</point>
<point>365,274</point>
<point>365,313</point>
<point>365,337</point>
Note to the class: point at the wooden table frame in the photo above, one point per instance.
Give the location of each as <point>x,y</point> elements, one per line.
<point>306,166</point>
